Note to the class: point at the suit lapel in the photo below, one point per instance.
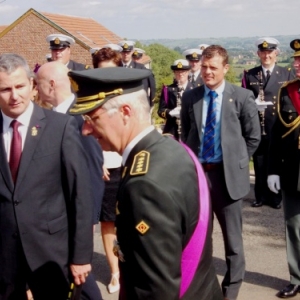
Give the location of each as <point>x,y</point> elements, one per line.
<point>198,108</point>
<point>35,130</point>
<point>4,167</point>
<point>227,105</point>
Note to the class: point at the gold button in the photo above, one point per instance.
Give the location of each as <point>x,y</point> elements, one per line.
<point>273,114</point>
<point>274,97</point>
<point>274,107</point>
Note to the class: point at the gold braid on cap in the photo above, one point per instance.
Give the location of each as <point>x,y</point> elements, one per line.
<point>101,96</point>
<point>293,125</point>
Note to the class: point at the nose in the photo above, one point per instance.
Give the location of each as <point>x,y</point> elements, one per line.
<point>14,94</point>
<point>86,129</point>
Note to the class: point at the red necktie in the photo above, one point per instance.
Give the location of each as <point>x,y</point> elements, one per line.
<point>15,150</point>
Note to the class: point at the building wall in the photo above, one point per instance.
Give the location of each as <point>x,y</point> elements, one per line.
<point>28,38</point>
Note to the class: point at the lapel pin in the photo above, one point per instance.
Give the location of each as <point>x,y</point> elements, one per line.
<point>34,130</point>
<point>230,100</point>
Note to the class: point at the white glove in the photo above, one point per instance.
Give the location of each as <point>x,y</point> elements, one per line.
<point>259,104</point>
<point>175,112</point>
<point>274,183</point>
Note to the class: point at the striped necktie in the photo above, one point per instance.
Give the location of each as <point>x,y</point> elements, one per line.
<point>209,131</point>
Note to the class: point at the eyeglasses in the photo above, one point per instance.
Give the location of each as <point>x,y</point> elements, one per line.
<point>91,120</point>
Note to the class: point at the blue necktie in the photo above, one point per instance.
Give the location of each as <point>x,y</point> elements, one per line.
<point>208,151</point>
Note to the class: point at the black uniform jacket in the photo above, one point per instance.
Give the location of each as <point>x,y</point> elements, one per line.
<point>284,153</point>
<point>157,211</point>
<point>168,101</point>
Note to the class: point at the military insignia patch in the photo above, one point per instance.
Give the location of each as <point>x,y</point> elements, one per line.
<point>140,163</point>
<point>179,65</point>
<point>142,227</point>
<point>57,41</point>
<point>265,44</point>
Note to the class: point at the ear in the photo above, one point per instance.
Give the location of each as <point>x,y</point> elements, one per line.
<point>126,112</point>
<point>52,83</point>
<point>226,68</point>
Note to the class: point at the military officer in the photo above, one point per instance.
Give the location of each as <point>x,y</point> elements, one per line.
<point>170,98</point>
<point>163,223</point>
<point>265,81</point>
<point>284,169</point>
<point>194,58</point>
<point>128,62</point>
<point>137,53</point>
<point>60,50</point>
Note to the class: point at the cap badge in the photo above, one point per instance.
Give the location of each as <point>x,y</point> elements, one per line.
<point>125,46</point>
<point>202,48</point>
<point>140,163</point>
<point>142,227</point>
<point>179,65</point>
<point>194,55</point>
<point>57,41</point>
<point>296,45</point>
<point>135,53</point>
<point>265,44</point>
<point>74,85</point>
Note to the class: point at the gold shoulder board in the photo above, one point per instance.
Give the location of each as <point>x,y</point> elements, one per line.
<point>140,163</point>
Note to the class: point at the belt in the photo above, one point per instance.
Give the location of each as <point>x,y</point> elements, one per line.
<point>211,167</point>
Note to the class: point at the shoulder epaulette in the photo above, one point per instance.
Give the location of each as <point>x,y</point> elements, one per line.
<point>289,82</point>
<point>140,163</point>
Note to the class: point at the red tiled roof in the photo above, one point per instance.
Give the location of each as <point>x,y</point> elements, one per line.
<point>2,27</point>
<point>86,30</point>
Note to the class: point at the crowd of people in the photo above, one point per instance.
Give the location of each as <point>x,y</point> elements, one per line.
<point>78,148</point>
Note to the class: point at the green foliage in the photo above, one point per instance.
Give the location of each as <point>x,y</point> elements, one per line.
<point>162,59</point>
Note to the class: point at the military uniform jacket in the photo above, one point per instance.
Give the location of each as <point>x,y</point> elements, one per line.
<point>284,153</point>
<point>198,81</point>
<point>166,105</point>
<point>149,83</point>
<point>75,66</point>
<point>278,77</point>
<point>157,212</point>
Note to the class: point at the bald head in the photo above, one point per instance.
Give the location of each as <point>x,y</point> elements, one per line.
<point>53,83</point>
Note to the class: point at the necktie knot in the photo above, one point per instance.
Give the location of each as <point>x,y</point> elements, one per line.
<point>15,124</point>
<point>212,95</point>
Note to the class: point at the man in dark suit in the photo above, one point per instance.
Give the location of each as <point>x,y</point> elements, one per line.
<point>128,62</point>
<point>171,95</point>
<point>45,200</point>
<point>54,88</point>
<point>60,46</point>
<point>160,213</point>
<point>265,81</point>
<point>194,58</point>
<point>284,169</point>
<point>220,124</point>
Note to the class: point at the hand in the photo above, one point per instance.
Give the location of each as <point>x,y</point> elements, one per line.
<point>80,272</point>
<point>274,183</point>
<point>175,112</point>
<point>105,174</point>
<point>259,104</point>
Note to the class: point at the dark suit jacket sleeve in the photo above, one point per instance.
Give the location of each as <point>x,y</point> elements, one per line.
<point>152,86</point>
<point>160,246</point>
<point>78,195</point>
<point>185,117</point>
<point>163,110</point>
<point>250,123</point>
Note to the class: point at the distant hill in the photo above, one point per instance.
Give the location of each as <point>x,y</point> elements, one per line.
<point>230,43</point>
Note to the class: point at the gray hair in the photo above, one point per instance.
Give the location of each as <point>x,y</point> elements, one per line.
<point>137,100</point>
<point>9,62</point>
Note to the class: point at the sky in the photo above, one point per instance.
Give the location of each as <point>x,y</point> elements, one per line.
<point>171,19</point>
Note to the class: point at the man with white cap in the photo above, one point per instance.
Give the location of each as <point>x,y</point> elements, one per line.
<point>60,50</point>
<point>265,81</point>
<point>137,53</point>
<point>283,169</point>
<point>203,46</point>
<point>128,62</point>
<point>170,99</point>
<point>194,58</point>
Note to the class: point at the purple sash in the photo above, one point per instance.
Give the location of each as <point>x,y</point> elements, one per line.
<point>192,252</point>
<point>165,89</point>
